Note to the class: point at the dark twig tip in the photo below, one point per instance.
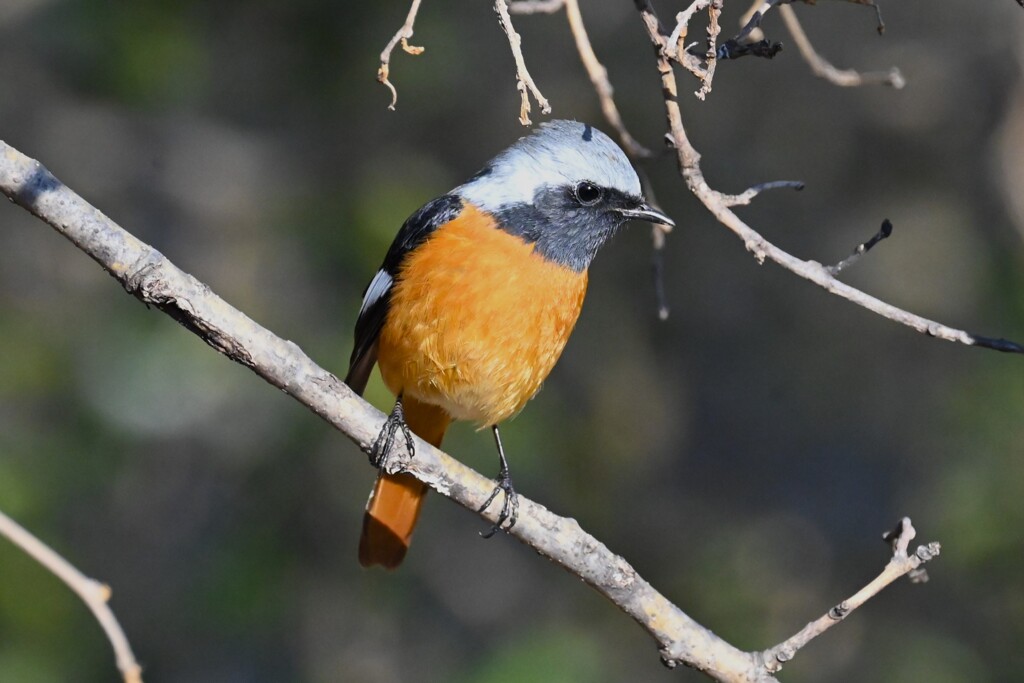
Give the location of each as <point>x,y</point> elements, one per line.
<point>1004,345</point>
<point>733,49</point>
<point>883,232</point>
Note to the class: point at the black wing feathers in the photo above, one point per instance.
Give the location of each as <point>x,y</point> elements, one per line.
<point>416,229</point>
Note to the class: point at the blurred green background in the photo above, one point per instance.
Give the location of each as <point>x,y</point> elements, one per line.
<point>745,455</point>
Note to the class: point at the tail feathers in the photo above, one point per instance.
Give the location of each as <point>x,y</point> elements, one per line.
<point>390,518</point>
<point>394,506</point>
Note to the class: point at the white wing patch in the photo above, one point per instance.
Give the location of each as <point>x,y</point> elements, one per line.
<point>379,286</point>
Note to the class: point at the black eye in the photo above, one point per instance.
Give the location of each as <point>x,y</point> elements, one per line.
<point>587,193</point>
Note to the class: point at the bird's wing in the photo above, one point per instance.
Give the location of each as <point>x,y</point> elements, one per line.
<point>377,297</point>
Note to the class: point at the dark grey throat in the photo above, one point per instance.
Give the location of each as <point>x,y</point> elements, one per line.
<point>563,230</point>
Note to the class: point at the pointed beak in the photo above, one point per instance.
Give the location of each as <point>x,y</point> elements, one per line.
<point>645,212</point>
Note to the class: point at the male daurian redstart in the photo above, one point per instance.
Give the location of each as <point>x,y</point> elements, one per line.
<point>476,299</point>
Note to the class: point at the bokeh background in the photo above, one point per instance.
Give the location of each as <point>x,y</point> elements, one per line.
<point>745,455</point>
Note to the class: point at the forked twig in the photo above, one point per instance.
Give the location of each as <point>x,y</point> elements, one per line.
<point>401,36</point>
<point>900,564</point>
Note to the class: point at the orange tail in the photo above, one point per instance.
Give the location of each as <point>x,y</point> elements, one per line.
<point>394,506</point>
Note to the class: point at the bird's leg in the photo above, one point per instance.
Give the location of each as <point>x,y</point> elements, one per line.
<point>510,506</point>
<point>386,439</point>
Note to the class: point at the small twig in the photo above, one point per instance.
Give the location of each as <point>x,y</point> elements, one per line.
<point>878,12</point>
<point>401,36</point>
<point>752,21</point>
<point>862,248</point>
<point>658,271</point>
<point>823,69</point>
<point>699,62</point>
<point>535,6</point>
<point>682,29</point>
<point>93,593</point>
<point>900,564</point>
<point>756,33</point>
<point>711,55</point>
<point>599,78</point>
<point>659,233</point>
<point>744,198</point>
<point>524,82</point>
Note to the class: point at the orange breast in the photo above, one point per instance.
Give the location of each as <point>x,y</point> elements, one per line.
<point>477,320</point>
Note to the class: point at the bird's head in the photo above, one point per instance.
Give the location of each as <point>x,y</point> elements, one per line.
<point>566,188</point>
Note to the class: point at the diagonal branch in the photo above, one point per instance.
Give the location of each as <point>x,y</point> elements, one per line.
<point>401,36</point>
<point>718,204</point>
<point>599,78</point>
<point>149,276</point>
<point>94,594</point>
<point>153,279</point>
<point>524,81</point>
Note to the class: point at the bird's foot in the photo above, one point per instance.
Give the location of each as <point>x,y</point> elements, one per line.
<point>386,439</point>
<point>509,507</point>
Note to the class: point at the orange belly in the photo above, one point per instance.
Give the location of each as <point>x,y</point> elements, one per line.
<point>477,320</point>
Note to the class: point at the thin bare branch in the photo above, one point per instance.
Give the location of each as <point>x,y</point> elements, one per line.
<point>401,36</point>
<point>699,62</point>
<point>524,82</point>
<point>711,54</point>
<point>744,198</point>
<point>755,32</point>
<point>823,69</point>
<point>718,204</point>
<point>93,593</point>
<point>658,271</point>
<point>899,565</point>
<point>599,78</point>
<point>878,12</point>
<point>535,6</point>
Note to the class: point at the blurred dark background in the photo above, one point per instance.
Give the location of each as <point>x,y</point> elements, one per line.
<point>745,455</point>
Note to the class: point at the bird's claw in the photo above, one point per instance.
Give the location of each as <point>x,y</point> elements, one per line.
<point>381,451</point>
<point>509,507</point>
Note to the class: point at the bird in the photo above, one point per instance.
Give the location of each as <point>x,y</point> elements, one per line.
<point>475,301</point>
